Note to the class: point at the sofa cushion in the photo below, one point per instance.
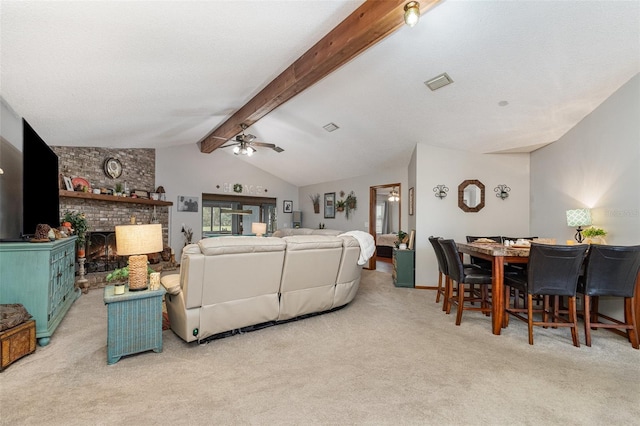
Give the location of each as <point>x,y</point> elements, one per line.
<point>331,232</point>
<point>234,245</point>
<point>310,242</point>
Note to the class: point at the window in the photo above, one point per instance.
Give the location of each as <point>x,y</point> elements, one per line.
<point>233,215</point>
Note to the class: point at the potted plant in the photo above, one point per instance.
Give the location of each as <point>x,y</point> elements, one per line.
<point>315,199</point>
<point>402,238</point>
<point>594,235</point>
<point>350,203</point>
<point>340,205</point>
<point>79,227</point>
<point>120,276</point>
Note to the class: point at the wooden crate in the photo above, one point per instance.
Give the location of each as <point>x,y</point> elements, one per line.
<point>17,342</point>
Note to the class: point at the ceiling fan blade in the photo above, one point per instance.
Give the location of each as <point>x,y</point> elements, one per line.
<point>232,144</point>
<point>263,144</point>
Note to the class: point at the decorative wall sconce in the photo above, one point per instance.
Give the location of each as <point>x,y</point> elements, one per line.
<point>440,191</point>
<point>502,191</point>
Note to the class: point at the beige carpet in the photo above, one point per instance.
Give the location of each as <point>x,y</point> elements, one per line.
<point>390,357</point>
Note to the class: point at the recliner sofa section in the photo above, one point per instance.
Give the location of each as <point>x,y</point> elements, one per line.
<point>229,283</point>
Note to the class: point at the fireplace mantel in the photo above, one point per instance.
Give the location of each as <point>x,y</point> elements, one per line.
<point>112,198</point>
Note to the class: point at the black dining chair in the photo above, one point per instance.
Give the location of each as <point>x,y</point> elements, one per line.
<point>610,271</point>
<point>463,276</point>
<point>443,276</point>
<point>552,271</point>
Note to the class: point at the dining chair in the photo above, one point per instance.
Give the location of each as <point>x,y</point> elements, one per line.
<point>552,271</point>
<point>610,271</point>
<point>443,275</point>
<point>463,276</point>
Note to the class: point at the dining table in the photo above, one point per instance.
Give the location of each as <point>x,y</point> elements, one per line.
<point>499,255</point>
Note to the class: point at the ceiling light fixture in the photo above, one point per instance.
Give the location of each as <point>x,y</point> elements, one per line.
<point>411,13</point>
<point>244,149</point>
<point>394,196</point>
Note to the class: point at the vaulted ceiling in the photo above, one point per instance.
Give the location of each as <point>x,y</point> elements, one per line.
<point>165,73</point>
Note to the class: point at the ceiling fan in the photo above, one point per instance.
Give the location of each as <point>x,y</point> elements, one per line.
<point>246,144</point>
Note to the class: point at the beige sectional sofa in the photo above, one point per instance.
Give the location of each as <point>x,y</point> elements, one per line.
<point>229,283</point>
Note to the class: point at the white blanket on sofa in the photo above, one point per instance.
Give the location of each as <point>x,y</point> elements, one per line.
<point>367,245</point>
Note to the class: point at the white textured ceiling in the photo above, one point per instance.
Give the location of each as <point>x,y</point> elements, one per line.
<point>163,73</point>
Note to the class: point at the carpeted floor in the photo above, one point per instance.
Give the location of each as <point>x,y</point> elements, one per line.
<point>391,357</point>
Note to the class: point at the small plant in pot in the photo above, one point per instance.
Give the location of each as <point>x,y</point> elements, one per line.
<point>79,226</point>
<point>402,238</point>
<point>119,277</point>
<point>315,199</point>
<point>594,235</point>
<point>340,205</point>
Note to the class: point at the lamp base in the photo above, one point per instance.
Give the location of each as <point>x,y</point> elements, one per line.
<point>138,272</point>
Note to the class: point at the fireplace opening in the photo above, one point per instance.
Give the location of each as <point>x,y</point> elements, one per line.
<point>101,252</point>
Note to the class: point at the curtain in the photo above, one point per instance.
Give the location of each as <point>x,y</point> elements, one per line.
<point>385,218</point>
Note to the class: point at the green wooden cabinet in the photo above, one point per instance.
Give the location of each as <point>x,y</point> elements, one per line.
<point>40,276</point>
<point>403,268</point>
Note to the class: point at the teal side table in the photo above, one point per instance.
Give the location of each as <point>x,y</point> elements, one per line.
<point>403,268</point>
<point>134,322</point>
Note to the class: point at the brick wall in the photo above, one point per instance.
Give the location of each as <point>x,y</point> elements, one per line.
<point>138,171</point>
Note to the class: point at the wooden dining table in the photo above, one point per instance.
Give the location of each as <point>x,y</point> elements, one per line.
<point>498,254</point>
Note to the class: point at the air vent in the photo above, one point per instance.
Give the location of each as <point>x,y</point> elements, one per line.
<point>439,81</point>
<point>330,127</point>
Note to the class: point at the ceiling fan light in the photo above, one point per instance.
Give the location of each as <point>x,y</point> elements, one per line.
<point>411,13</point>
<point>250,151</point>
<point>236,150</point>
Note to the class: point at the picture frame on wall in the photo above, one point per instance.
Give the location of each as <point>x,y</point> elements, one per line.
<point>68,185</point>
<point>411,200</point>
<point>412,239</point>
<point>287,206</point>
<point>329,205</point>
<point>187,203</point>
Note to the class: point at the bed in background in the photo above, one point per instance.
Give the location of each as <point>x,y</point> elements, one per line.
<point>385,244</point>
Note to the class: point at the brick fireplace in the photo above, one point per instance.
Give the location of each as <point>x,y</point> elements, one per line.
<point>103,215</point>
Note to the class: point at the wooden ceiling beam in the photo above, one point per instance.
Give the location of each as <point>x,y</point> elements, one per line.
<point>367,25</point>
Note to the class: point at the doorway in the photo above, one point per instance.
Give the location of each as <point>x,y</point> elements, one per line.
<point>384,222</point>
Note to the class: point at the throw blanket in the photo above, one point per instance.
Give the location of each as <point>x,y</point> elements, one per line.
<point>367,245</point>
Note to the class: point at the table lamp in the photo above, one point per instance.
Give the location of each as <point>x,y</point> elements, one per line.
<point>579,218</point>
<point>259,228</point>
<point>136,241</point>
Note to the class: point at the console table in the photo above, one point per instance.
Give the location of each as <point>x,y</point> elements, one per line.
<point>403,268</point>
<point>134,322</point>
<point>40,276</point>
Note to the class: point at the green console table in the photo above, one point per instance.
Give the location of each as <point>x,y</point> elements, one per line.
<point>40,276</point>
<point>403,268</point>
<point>134,322</point>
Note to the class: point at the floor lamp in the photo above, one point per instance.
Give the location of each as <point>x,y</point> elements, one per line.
<point>136,241</point>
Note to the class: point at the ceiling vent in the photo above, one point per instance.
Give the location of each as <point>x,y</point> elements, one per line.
<point>330,127</point>
<point>439,81</point>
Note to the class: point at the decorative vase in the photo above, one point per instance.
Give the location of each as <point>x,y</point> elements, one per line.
<point>81,252</point>
<point>316,208</point>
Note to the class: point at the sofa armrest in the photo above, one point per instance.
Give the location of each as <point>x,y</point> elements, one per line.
<point>171,283</point>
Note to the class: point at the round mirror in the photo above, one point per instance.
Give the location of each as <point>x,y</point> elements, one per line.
<point>471,196</point>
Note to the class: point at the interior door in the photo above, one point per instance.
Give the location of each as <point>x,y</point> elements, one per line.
<point>377,193</point>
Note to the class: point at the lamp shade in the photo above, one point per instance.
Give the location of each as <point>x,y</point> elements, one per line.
<point>259,228</point>
<point>579,217</point>
<point>138,239</point>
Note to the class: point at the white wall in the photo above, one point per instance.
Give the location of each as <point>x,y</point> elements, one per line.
<point>596,165</point>
<point>184,170</point>
<point>443,218</point>
<point>358,219</point>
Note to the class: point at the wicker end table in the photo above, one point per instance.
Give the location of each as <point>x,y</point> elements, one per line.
<point>134,322</point>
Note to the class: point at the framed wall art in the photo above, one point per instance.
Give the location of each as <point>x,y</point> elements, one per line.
<point>187,203</point>
<point>412,200</point>
<point>287,206</point>
<point>329,205</point>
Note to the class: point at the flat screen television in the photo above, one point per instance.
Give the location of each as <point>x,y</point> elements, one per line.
<point>40,196</point>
